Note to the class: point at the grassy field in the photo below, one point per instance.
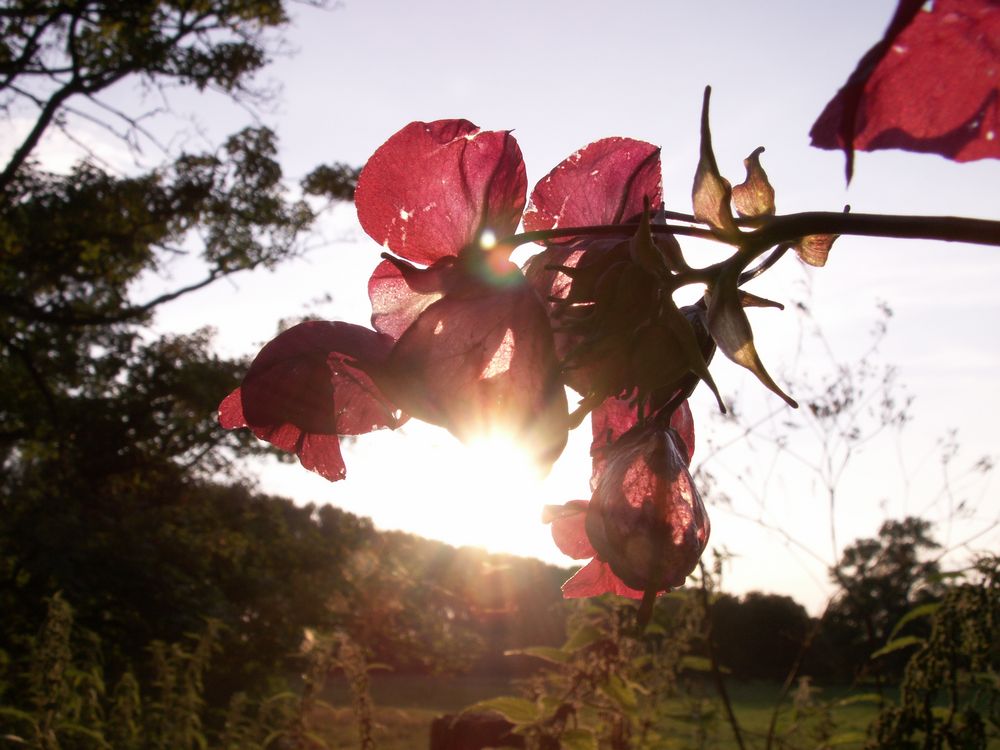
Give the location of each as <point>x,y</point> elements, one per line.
<point>406,705</point>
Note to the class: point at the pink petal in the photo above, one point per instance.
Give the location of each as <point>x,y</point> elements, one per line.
<point>646,518</point>
<point>614,417</point>
<point>683,422</point>
<point>231,411</point>
<point>399,292</point>
<point>309,385</point>
<point>932,86</point>
<point>595,578</point>
<point>569,528</point>
<point>478,361</point>
<point>318,453</point>
<point>431,188</point>
<point>606,182</point>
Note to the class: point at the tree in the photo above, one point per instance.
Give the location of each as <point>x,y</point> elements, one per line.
<point>759,636</point>
<point>108,438</point>
<point>880,580</point>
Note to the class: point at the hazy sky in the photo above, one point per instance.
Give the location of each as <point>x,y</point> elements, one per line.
<point>562,73</point>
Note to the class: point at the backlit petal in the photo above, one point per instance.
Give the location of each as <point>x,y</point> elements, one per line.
<point>432,187</point>
<point>569,528</point>
<point>596,578</point>
<point>931,84</point>
<point>606,182</point>
<point>481,362</point>
<point>309,385</point>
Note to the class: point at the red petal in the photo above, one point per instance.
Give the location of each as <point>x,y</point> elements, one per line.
<point>309,385</point>
<point>432,187</point>
<point>318,453</point>
<point>399,292</point>
<point>231,411</point>
<point>477,363</point>
<point>614,417</point>
<point>646,518</point>
<point>569,528</point>
<point>595,578</point>
<point>930,86</point>
<point>683,421</point>
<point>606,182</point>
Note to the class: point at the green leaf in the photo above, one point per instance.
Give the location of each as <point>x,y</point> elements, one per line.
<point>922,611</point>
<point>896,645</point>
<point>696,663</point>
<point>701,664</point>
<point>578,739</point>
<point>68,728</point>
<point>860,698</point>
<point>845,738</point>
<point>582,638</point>
<point>18,715</point>
<point>620,693</point>
<point>516,710</point>
<point>547,653</point>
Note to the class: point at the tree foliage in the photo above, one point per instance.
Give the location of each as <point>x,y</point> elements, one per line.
<point>879,580</point>
<point>110,448</point>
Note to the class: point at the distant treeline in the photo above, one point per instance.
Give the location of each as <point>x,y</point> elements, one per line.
<point>156,566</point>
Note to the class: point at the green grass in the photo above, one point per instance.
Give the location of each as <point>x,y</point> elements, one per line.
<point>406,705</point>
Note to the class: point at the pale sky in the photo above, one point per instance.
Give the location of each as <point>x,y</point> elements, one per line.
<point>563,73</point>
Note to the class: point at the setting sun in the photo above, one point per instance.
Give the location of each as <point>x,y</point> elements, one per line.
<point>508,495</point>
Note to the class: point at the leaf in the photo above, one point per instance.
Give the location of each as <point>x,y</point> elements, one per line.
<point>578,739</point>
<point>513,709</point>
<point>711,193</point>
<point>701,664</point>
<point>929,85</point>
<point>583,637</point>
<point>860,698</point>
<point>754,196</point>
<point>845,738</point>
<point>17,714</point>
<point>546,653</point>
<point>619,692</point>
<point>900,643</point>
<point>654,628</point>
<point>696,663</point>
<point>922,611</point>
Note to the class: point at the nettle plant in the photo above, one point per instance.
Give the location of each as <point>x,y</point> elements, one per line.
<point>465,339</point>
